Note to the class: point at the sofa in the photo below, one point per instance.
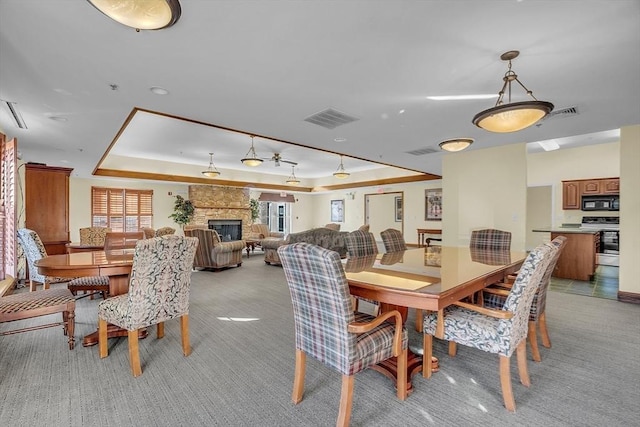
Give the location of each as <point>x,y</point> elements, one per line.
<point>212,252</point>
<point>324,237</point>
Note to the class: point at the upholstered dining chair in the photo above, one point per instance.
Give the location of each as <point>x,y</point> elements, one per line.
<point>501,331</point>
<point>148,232</point>
<point>164,231</point>
<point>93,235</point>
<point>34,250</point>
<point>328,330</point>
<point>490,239</point>
<point>158,291</point>
<point>393,240</point>
<point>362,244</point>
<point>495,296</point>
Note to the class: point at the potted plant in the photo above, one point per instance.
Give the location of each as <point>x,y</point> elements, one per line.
<point>182,211</point>
<point>255,209</point>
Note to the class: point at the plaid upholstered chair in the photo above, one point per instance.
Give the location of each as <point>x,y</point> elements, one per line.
<point>495,331</point>
<point>329,331</point>
<point>93,235</point>
<point>490,239</point>
<point>34,250</point>
<point>158,291</point>
<point>362,244</point>
<point>496,296</point>
<point>393,240</point>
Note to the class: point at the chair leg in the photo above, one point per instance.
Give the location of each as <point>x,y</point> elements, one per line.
<point>505,382</point>
<point>419,320</point>
<point>184,333</point>
<point>32,285</point>
<point>346,399</point>
<point>521,353</point>
<point>453,348</point>
<point>160,330</point>
<point>71,326</point>
<point>102,338</point>
<point>427,352</point>
<point>134,353</point>
<point>401,382</point>
<point>533,341</point>
<point>544,333</point>
<point>298,380</point>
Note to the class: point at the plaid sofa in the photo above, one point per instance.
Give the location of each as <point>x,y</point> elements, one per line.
<point>212,252</point>
<point>323,237</point>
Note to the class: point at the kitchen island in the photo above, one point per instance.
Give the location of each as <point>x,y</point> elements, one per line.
<point>578,258</point>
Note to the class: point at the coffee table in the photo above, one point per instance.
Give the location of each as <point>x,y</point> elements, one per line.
<point>251,245</point>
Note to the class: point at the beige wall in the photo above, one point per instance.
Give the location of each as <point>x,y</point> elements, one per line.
<point>630,209</point>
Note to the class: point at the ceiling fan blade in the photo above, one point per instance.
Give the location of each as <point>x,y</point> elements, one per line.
<point>289,161</point>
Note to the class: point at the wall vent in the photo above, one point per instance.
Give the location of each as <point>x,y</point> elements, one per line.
<point>330,118</point>
<point>423,151</point>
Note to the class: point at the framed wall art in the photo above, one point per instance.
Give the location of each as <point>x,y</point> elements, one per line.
<point>398,205</point>
<point>337,211</point>
<point>433,204</point>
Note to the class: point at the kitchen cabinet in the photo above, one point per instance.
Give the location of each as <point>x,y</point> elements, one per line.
<point>610,186</point>
<point>571,195</point>
<point>572,191</point>
<point>578,258</point>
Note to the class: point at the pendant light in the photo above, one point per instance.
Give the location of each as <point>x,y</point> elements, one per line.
<point>292,180</point>
<point>456,144</point>
<point>211,171</point>
<point>512,117</point>
<point>251,159</point>
<point>141,15</point>
<point>341,173</point>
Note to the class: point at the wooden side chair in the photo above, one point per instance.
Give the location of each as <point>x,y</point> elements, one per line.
<point>502,331</point>
<point>328,330</point>
<point>158,291</point>
<point>34,250</point>
<point>393,240</point>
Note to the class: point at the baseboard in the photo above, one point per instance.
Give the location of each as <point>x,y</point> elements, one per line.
<point>7,286</point>
<point>631,297</point>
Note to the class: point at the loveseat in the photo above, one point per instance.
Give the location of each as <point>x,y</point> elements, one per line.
<point>212,252</point>
<point>324,237</point>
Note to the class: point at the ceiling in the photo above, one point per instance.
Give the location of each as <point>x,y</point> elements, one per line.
<point>238,68</point>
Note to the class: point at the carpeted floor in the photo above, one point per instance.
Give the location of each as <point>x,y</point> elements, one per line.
<point>241,370</point>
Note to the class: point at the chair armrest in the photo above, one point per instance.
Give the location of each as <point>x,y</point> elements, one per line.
<point>236,245</point>
<point>497,291</point>
<point>358,328</point>
<point>275,234</point>
<point>498,314</point>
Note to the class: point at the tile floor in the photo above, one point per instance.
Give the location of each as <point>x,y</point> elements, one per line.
<point>604,284</point>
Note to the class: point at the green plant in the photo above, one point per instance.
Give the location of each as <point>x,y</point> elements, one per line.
<point>182,211</point>
<point>255,209</point>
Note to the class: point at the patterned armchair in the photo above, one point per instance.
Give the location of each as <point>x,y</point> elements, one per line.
<point>158,291</point>
<point>329,331</point>
<point>495,331</point>
<point>393,240</point>
<point>261,231</point>
<point>496,296</point>
<point>93,236</point>
<point>165,231</point>
<point>323,237</point>
<point>34,250</point>
<point>490,239</point>
<point>214,253</point>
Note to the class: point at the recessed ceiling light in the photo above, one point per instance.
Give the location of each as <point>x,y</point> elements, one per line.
<point>58,118</point>
<point>461,97</point>
<point>339,139</point>
<point>159,90</point>
<point>549,145</point>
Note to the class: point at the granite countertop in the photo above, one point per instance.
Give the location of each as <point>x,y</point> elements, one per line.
<point>567,230</point>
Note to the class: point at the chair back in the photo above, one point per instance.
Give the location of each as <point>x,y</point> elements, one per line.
<point>160,280</point>
<point>34,250</point>
<point>118,240</point>
<point>165,231</point>
<point>491,239</point>
<point>259,231</point>
<point>361,243</point>
<point>148,232</point>
<point>393,240</point>
<point>540,299</point>
<point>321,303</point>
<point>364,227</point>
<point>93,235</point>
<point>332,226</point>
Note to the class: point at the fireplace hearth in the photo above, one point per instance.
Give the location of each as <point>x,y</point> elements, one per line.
<point>228,229</point>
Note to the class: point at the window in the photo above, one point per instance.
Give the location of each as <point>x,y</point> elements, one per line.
<point>121,209</point>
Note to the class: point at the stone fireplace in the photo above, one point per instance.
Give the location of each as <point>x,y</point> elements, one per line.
<point>228,229</point>
<point>212,202</point>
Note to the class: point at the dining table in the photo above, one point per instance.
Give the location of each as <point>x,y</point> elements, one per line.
<point>115,264</point>
<point>427,278</point>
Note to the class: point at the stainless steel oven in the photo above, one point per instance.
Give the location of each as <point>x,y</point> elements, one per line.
<point>609,228</point>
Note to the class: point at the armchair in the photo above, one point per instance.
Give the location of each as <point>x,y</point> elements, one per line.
<point>212,252</point>
<point>261,231</point>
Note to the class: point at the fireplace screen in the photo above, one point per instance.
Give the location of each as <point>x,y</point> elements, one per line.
<point>228,229</point>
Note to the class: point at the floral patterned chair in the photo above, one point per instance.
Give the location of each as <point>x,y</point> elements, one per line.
<point>34,250</point>
<point>495,331</point>
<point>158,291</point>
<point>93,236</point>
<point>393,240</point>
<point>496,296</point>
<point>328,330</point>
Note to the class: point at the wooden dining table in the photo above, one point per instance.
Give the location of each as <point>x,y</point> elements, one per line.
<point>116,264</point>
<point>428,278</point>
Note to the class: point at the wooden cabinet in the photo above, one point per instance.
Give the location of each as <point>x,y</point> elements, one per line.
<point>572,191</point>
<point>47,205</point>
<point>578,258</point>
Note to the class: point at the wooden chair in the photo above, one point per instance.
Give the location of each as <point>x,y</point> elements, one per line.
<point>158,291</point>
<point>501,331</point>
<point>34,250</point>
<point>328,330</point>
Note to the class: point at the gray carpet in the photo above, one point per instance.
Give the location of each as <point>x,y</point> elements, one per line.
<point>241,370</point>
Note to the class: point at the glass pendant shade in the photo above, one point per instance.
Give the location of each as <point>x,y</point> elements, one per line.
<point>292,180</point>
<point>211,171</point>
<point>457,144</point>
<point>251,159</point>
<point>341,173</point>
<point>141,14</point>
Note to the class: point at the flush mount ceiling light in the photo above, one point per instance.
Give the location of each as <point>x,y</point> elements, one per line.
<point>456,144</point>
<point>341,173</point>
<point>250,159</point>
<point>512,117</point>
<point>211,171</point>
<point>292,180</point>
<point>141,15</point>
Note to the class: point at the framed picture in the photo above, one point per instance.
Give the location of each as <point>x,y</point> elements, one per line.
<point>398,209</point>
<point>433,204</point>
<point>337,210</point>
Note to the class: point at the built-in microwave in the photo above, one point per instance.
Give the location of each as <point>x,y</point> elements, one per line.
<point>600,203</point>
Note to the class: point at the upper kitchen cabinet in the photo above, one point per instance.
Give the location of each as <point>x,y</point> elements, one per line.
<point>571,194</point>
<point>610,186</point>
<point>572,191</point>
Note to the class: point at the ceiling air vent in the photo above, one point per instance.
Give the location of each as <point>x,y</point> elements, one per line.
<point>423,151</point>
<point>330,118</point>
<point>565,112</point>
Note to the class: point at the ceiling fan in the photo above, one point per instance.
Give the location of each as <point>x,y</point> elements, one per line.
<point>277,159</point>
